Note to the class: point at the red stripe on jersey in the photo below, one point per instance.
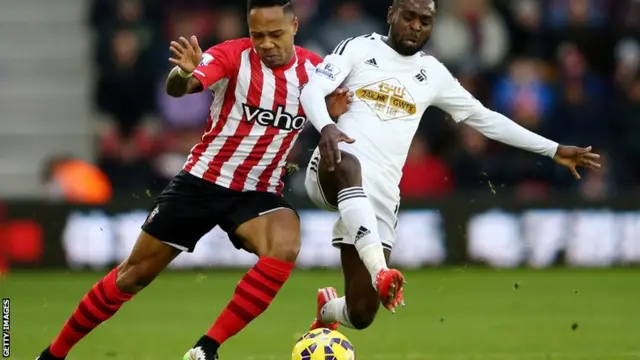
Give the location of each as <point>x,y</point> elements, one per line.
<point>244,128</point>
<point>214,130</point>
<point>261,146</point>
<point>263,184</point>
<point>197,151</point>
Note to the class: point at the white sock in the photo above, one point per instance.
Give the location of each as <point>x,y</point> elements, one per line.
<point>360,220</point>
<point>336,310</point>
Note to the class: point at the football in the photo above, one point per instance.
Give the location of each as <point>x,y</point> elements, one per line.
<point>323,344</point>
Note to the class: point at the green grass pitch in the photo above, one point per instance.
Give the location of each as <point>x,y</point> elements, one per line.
<point>451,314</point>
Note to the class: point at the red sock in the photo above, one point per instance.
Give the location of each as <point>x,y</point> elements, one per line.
<point>253,295</point>
<point>98,305</point>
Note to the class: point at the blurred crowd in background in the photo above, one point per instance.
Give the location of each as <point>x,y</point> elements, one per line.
<point>567,69</point>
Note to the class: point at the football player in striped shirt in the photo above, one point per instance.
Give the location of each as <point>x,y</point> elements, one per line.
<point>231,179</point>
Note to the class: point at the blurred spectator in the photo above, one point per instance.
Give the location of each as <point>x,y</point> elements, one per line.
<point>309,23</point>
<point>125,160</point>
<point>627,56</point>
<point>125,85</point>
<point>229,23</point>
<point>104,13</point>
<point>580,118</point>
<point>470,33</point>
<point>111,17</point>
<point>596,185</point>
<point>425,175</point>
<point>473,167</point>
<point>76,181</point>
<point>348,20</point>
<point>628,133</point>
<point>577,13</point>
<point>581,22</point>
<point>528,36</point>
<point>522,93</point>
<point>189,113</point>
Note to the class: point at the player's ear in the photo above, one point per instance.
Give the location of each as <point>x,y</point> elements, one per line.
<point>295,23</point>
<point>390,15</point>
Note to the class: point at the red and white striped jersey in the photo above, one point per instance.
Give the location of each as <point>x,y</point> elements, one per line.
<point>255,116</point>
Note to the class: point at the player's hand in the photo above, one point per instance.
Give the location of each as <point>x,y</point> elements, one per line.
<point>328,145</point>
<point>338,102</point>
<point>186,54</point>
<point>573,156</point>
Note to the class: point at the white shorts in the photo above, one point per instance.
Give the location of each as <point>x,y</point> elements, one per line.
<point>386,210</point>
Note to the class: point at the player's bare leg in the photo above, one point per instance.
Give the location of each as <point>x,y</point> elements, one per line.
<point>275,238</point>
<point>358,308</point>
<point>343,188</point>
<point>147,259</point>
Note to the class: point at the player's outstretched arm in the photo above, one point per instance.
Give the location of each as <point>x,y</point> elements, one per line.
<point>463,107</point>
<point>186,55</point>
<point>500,128</point>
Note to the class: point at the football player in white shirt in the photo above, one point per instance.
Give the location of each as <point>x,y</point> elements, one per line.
<point>358,174</point>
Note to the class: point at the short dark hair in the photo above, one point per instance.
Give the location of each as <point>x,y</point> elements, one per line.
<point>398,2</point>
<point>286,5</point>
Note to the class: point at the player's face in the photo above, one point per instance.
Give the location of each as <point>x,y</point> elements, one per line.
<point>410,25</point>
<point>272,30</point>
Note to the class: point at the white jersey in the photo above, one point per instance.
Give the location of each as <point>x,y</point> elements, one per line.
<point>392,93</point>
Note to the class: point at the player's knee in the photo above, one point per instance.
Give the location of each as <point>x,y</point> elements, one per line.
<point>283,237</point>
<point>362,315</point>
<point>285,248</point>
<point>348,171</point>
<point>133,277</point>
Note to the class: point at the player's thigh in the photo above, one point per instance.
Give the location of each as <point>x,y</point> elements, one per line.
<point>264,224</point>
<point>314,188</point>
<point>362,299</point>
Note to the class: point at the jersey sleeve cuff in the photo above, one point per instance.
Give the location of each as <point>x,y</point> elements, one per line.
<point>319,125</point>
<point>200,76</point>
<point>553,149</point>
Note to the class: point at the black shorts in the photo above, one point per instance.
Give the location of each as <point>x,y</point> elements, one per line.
<point>190,207</point>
